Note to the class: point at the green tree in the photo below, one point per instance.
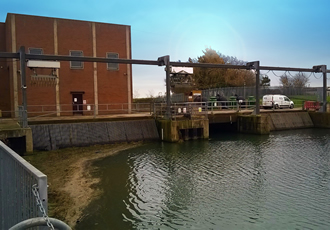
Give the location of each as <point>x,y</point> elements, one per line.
<point>205,78</point>
<point>208,77</point>
<point>265,81</point>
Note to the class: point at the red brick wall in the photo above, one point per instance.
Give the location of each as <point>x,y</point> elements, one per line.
<point>4,75</point>
<point>38,32</point>
<point>111,38</point>
<point>35,32</point>
<point>75,35</point>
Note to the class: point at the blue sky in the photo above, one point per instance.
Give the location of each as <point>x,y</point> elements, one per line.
<point>286,33</point>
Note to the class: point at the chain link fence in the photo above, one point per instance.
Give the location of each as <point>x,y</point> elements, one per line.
<point>17,178</point>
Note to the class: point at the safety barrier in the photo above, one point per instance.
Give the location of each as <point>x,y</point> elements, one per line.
<point>187,110</point>
<point>312,105</point>
<point>23,189</point>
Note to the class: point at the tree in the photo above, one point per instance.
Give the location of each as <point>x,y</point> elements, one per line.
<point>286,80</point>
<point>265,81</point>
<point>208,77</point>
<point>205,78</point>
<point>299,80</point>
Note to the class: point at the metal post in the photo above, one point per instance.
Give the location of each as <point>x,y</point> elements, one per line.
<point>324,70</point>
<point>168,91</point>
<point>23,84</point>
<point>256,65</point>
<point>165,60</point>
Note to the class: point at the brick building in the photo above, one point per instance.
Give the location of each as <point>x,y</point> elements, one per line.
<point>76,86</point>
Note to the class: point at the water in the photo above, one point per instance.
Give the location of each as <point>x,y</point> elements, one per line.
<point>236,181</point>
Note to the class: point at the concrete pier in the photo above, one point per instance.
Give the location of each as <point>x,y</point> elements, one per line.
<point>176,130</point>
<point>255,124</point>
<point>11,132</point>
<point>267,122</point>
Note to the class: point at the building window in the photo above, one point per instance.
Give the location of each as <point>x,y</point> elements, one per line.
<point>112,66</point>
<point>76,64</point>
<point>35,51</point>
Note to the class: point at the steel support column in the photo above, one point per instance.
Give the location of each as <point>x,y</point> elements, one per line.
<point>256,66</point>
<point>23,84</point>
<point>325,87</point>
<point>165,60</point>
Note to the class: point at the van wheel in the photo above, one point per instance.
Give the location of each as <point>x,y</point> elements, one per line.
<point>291,106</point>
<point>276,106</point>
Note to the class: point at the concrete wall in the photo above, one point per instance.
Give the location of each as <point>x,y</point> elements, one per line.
<point>292,120</point>
<point>265,123</point>
<point>170,130</point>
<point>320,120</point>
<point>54,136</point>
<point>253,124</point>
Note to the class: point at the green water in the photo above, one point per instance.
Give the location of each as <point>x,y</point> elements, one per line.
<point>232,181</point>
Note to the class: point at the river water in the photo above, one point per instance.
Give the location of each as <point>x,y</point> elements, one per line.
<point>232,181</point>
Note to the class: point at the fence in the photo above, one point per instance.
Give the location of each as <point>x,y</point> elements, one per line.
<point>17,178</point>
<point>87,109</point>
<point>251,91</point>
<point>189,110</point>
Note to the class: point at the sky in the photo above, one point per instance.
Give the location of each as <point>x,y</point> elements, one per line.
<point>281,33</point>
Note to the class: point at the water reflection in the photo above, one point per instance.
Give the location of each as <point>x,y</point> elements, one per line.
<point>231,182</point>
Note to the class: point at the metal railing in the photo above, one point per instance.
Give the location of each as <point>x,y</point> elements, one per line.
<point>18,178</point>
<point>189,110</point>
<point>88,109</point>
<point>125,108</point>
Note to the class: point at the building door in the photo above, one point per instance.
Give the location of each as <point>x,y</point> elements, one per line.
<point>77,103</point>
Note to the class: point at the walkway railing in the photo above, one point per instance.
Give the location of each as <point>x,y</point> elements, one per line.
<point>35,111</point>
<point>189,110</point>
<point>19,181</point>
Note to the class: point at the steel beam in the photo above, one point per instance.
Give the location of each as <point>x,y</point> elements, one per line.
<point>9,55</point>
<point>90,59</point>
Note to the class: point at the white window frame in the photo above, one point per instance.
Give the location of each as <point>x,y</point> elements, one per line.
<point>81,66</point>
<point>35,49</point>
<point>112,66</point>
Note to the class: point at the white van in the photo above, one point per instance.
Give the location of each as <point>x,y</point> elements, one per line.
<point>277,101</point>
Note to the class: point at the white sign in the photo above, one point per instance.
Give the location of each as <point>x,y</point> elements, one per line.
<point>75,99</point>
<point>84,102</point>
<point>88,107</point>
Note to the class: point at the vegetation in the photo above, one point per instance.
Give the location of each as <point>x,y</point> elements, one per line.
<point>205,78</point>
<point>298,80</point>
<point>265,81</point>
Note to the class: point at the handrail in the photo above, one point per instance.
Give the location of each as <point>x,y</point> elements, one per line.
<point>40,221</point>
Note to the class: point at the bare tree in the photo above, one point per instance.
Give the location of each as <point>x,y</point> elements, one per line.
<point>300,80</point>
<point>286,80</point>
<point>136,93</point>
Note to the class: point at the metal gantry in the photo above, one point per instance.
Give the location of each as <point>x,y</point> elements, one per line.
<point>162,61</point>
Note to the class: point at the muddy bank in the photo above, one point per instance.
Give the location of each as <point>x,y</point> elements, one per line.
<point>71,187</point>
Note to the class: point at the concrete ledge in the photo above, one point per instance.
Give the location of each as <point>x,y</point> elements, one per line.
<point>254,124</point>
<point>171,130</point>
<point>320,120</point>
<point>13,133</point>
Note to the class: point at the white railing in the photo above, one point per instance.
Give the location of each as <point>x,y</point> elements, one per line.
<point>18,178</point>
